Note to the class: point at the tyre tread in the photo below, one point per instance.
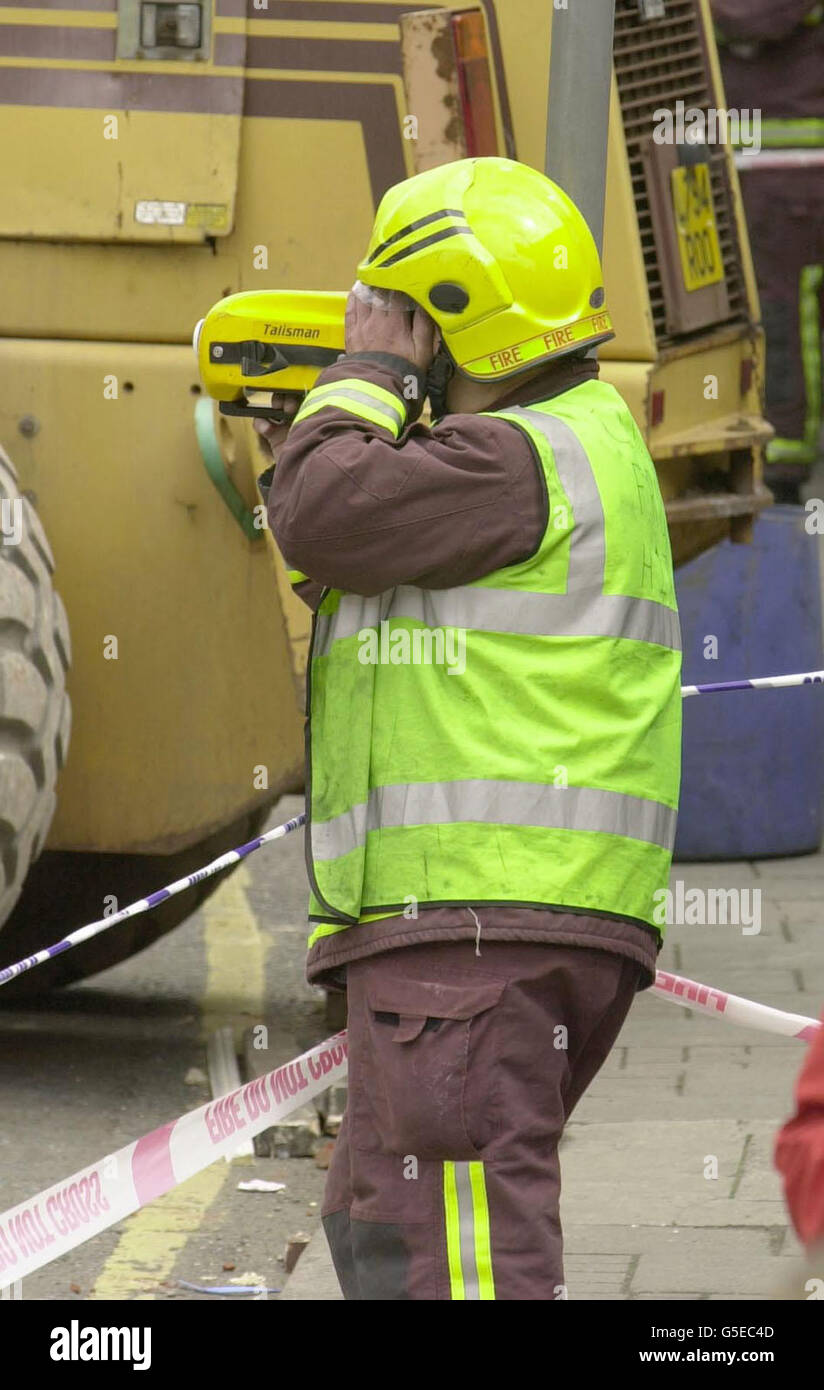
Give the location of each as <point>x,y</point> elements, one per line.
<point>35,711</point>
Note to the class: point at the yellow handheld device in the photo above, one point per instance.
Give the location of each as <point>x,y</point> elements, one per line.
<point>255,343</point>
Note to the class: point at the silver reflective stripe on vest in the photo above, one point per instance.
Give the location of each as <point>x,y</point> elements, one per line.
<point>353,614</point>
<point>579,614</point>
<point>587,544</point>
<point>582,611</point>
<point>496,803</point>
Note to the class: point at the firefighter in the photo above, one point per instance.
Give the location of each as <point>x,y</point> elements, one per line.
<point>772,56</point>
<point>487,834</point>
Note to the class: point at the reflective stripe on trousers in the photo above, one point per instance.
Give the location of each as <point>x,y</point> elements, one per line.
<point>468,1241</point>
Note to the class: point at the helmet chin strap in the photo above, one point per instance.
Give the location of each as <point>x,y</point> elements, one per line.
<point>438,377</point>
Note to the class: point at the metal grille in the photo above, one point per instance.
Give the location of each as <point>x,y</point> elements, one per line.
<point>657,63</point>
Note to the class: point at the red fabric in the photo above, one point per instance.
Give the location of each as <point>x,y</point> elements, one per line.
<point>799,1149</point>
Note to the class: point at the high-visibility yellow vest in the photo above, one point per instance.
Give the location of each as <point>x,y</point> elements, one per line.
<point>515,740</point>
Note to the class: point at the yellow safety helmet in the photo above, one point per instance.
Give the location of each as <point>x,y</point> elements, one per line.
<point>501,259</point>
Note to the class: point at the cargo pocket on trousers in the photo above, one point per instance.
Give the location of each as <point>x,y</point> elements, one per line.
<point>416,1057</point>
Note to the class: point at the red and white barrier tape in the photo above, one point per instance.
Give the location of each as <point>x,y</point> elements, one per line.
<point>41,1229</point>
<point>732,1007</point>
<point>66,1215</point>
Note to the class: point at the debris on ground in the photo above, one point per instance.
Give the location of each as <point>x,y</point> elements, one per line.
<point>330,1106</point>
<point>323,1155</point>
<point>295,1247</point>
<point>256,1289</point>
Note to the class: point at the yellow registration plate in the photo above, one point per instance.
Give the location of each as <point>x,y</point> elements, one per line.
<point>700,252</point>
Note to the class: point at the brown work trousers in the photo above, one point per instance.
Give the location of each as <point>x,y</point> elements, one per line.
<point>445,1181</point>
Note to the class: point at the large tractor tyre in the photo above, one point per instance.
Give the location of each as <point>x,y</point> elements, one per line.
<point>35,714</point>
<point>66,890</point>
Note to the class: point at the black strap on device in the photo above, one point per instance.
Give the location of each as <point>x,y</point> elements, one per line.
<point>264,359</point>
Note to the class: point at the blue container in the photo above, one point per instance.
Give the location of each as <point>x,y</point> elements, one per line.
<point>753,767</point>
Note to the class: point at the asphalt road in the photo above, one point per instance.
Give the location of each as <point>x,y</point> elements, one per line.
<point>88,1069</point>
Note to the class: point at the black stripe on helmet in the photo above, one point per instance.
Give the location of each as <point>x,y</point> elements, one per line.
<point>413,227</point>
<point>463,230</point>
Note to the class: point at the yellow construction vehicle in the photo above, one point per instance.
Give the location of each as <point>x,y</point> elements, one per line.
<point>157,157</point>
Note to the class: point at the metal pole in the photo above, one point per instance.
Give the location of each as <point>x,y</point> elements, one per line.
<point>580,77</point>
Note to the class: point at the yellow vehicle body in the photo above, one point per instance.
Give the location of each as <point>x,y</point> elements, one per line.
<point>176,718</point>
<point>140,187</point>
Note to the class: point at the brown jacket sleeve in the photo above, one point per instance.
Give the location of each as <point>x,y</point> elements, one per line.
<point>354,509</point>
<point>759,19</point>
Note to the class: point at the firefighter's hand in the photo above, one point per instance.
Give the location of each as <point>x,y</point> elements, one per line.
<point>272,432</point>
<point>383,322</point>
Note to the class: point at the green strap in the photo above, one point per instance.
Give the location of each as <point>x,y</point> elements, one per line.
<point>792,132</point>
<point>216,468</point>
<point>809,317</point>
<point>809,312</point>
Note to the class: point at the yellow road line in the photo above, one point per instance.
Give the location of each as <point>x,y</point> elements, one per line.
<point>235,957</point>
<point>155,1237</point>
